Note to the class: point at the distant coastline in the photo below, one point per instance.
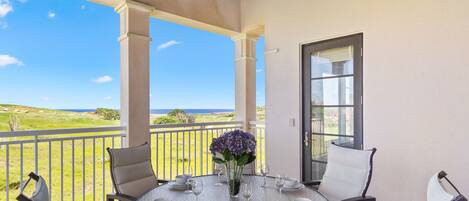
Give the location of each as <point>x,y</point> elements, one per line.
<point>165,111</point>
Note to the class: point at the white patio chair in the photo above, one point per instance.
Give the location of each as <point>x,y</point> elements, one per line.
<point>41,192</point>
<point>437,192</point>
<point>348,174</point>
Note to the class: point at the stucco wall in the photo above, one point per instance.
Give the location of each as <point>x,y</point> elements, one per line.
<point>416,84</point>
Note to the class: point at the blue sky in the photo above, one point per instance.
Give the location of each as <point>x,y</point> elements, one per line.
<point>65,54</point>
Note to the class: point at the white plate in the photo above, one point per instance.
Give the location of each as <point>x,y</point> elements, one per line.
<point>297,185</point>
<point>301,199</point>
<point>296,188</point>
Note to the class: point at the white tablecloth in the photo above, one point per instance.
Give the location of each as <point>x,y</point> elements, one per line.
<point>220,193</point>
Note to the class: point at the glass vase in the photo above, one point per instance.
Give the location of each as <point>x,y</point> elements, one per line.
<point>234,174</point>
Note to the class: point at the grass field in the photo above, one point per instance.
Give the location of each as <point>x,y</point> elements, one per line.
<point>85,158</point>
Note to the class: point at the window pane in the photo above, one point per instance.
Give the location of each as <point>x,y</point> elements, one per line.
<point>333,91</point>
<point>332,62</point>
<point>321,144</point>
<point>332,120</point>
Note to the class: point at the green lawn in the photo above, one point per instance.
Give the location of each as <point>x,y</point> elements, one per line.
<point>175,145</point>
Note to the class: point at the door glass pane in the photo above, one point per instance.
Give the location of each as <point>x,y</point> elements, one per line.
<point>321,144</point>
<point>332,91</point>
<point>332,62</point>
<point>332,120</point>
<point>318,170</point>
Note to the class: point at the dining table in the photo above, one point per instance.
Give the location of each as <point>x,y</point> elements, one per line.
<point>214,191</point>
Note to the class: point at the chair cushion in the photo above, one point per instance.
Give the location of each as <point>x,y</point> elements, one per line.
<point>436,191</point>
<point>347,173</point>
<point>131,170</point>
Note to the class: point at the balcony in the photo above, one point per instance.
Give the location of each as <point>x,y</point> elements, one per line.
<point>76,166</point>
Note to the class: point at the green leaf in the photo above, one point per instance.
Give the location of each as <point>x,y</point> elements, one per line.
<point>243,160</point>
<point>251,159</point>
<point>218,160</point>
<point>227,155</point>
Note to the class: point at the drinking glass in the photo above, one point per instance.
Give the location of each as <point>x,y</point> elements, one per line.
<point>197,188</point>
<point>264,172</point>
<point>246,191</point>
<point>189,183</point>
<point>279,182</point>
<point>219,170</point>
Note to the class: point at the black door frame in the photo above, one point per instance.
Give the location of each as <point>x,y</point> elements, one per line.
<point>306,49</point>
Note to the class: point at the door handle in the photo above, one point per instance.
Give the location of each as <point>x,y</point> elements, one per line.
<point>306,139</point>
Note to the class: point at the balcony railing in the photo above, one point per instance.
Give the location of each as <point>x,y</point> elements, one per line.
<point>75,164</point>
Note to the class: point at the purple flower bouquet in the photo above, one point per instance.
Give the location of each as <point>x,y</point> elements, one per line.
<point>234,149</point>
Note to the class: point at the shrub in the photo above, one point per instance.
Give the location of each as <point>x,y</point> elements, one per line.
<point>176,112</point>
<point>108,114</point>
<point>165,120</point>
<point>13,123</point>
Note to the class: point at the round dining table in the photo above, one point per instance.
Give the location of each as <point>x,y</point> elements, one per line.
<point>213,192</point>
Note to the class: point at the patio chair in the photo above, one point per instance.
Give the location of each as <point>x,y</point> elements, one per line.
<point>348,174</point>
<point>41,192</point>
<point>131,172</point>
<point>437,192</point>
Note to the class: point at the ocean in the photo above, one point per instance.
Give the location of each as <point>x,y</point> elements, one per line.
<point>165,111</point>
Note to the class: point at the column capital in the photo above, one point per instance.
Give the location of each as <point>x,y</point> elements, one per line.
<point>245,36</point>
<point>245,47</point>
<point>133,4</point>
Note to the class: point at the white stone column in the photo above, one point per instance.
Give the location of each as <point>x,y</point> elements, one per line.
<point>245,83</point>
<point>135,66</point>
<point>245,79</point>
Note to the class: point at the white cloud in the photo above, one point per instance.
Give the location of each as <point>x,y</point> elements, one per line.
<point>103,79</point>
<point>45,98</point>
<point>107,98</point>
<point>50,14</point>
<point>83,7</point>
<point>5,8</point>
<point>258,70</point>
<point>168,44</point>
<point>6,60</point>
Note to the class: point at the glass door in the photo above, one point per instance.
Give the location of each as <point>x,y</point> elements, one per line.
<point>332,100</point>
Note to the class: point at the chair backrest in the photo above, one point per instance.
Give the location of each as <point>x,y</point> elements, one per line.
<point>131,170</point>
<point>41,192</point>
<point>437,192</point>
<point>348,172</point>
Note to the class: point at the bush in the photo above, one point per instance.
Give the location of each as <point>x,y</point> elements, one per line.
<point>108,114</point>
<point>176,112</point>
<point>165,120</point>
<point>176,116</point>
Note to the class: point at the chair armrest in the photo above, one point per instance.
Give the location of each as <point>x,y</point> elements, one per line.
<point>360,198</point>
<point>162,181</point>
<point>312,183</point>
<point>120,197</point>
